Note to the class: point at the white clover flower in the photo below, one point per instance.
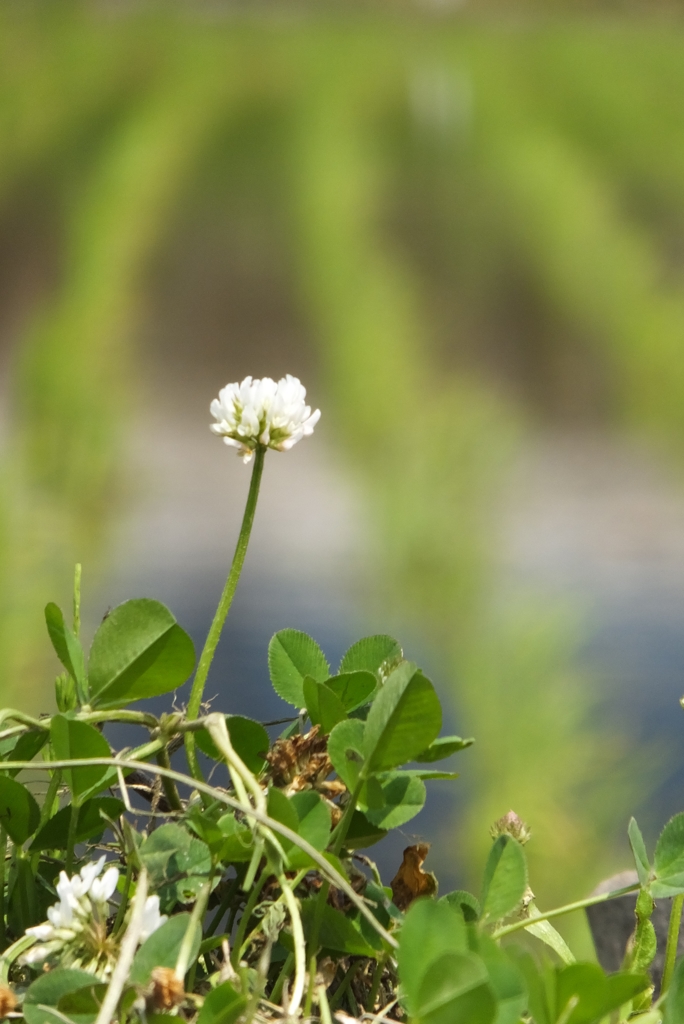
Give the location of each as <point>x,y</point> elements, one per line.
<point>76,928</point>
<point>152,919</point>
<point>261,412</point>
<point>75,933</point>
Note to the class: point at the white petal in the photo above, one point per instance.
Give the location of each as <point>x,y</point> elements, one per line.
<point>35,955</point>
<point>152,919</point>
<point>102,888</point>
<point>90,872</point>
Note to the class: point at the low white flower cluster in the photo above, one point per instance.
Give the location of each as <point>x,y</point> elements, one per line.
<point>261,412</point>
<point>76,929</point>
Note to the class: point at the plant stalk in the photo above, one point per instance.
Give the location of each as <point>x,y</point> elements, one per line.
<point>77,599</point>
<point>247,913</point>
<point>194,925</point>
<point>341,989</point>
<point>375,984</point>
<point>214,634</point>
<point>71,837</point>
<point>567,909</point>
<point>672,941</point>
<point>118,921</point>
<point>50,794</point>
<point>277,990</point>
<point>338,837</point>
<point>326,1017</point>
<point>170,791</point>
<point>299,947</point>
<point>3,855</point>
<point>126,954</point>
<point>224,906</point>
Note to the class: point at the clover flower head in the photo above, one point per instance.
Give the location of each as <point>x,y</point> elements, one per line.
<point>263,412</point>
<point>75,933</point>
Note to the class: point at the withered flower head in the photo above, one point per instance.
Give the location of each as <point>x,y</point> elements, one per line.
<point>8,1001</point>
<point>167,989</point>
<point>300,762</point>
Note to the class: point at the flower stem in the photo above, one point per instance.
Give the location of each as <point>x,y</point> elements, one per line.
<point>3,855</point>
<point>672,942</point>
<point>214,634</point>
<point>375,983</point>
<point>118,922</point>
<point>170,791</point>
<point>299,946</point>
<point>71,837</point>
<point>338,837</point>
<point>77,599</point>
<point>194,926</point>
<point>277,990</point>
<point>340,833</point>
<point>247,913</point>
<point>344,985</point>
<point>127,952</point>
<point>326,1017</point>
<point>567,909</point>
<point>224,905</point>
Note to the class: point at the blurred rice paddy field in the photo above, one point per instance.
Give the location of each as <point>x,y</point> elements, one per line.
<point>468,240</point>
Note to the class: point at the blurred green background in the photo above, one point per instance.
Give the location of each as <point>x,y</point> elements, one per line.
<point>465,231</point>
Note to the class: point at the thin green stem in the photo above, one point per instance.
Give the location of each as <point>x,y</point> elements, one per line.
<point>118,922</point>
<point>71,838</point>
<point>11,954</point>
<point>375,983</point>
<point>308,1002</point>
<point>344,985</point>
<point>19,716</point>
<point>340,833</point>
<point>121,971</point>
<point>672,941</point>
<point>338,837</point>
<point>263,966</point>
<point>299,946</point>
<point>559,911</point>
<point>50,797</point>
<point>119,715</point>
<point>170,791</point>
<point>77,599</point>
<point>296,881</point>
<point>194,925</point>
<point>214,634</point>
<point>224,905</point>
<point>326,1017</point>
<point>277,990</point>
<point>3,856</point>
<point>254,895</point>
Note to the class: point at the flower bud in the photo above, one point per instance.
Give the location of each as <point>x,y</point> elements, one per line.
<point>513,826</point>
<point>65,692</point>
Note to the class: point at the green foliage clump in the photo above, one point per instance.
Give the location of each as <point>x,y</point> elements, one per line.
<point>244,895</point>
